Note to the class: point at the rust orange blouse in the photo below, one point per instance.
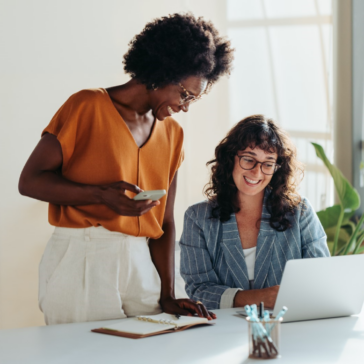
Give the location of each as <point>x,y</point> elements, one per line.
<point>98,148</point>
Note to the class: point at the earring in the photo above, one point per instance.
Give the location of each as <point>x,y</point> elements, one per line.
<point>154,87</point>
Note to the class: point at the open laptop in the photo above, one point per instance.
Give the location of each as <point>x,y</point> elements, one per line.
<point>321,288</point>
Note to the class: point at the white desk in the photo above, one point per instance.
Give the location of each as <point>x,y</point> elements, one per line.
<point>339,340</point>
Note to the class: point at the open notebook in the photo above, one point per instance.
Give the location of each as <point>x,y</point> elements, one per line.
<point>144,326</point>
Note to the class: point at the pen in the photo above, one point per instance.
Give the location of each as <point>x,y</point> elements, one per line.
<point>281,313</point>
<point>266,320</point>
<point>261,310</point>
<point>276,319</point>
<point>266,316</point>
<point>254,309</point>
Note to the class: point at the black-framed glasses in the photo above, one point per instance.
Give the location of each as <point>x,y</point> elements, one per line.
<point>187,98</point>
<point>248,163</point>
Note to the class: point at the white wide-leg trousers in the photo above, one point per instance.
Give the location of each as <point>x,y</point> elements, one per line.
<point>95,274</point>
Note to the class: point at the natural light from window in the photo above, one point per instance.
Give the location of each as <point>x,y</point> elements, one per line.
<point>283,69</point>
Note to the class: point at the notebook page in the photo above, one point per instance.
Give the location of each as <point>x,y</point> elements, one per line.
<point>182,321</point>
<point>134,326</point>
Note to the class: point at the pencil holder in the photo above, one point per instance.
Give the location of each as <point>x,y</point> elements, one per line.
<point>264,339</point>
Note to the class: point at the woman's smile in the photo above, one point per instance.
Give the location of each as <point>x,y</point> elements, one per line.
<point>171,111</point>
<point>251,182</point>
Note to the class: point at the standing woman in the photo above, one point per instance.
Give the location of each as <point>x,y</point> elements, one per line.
<point>110,256</point>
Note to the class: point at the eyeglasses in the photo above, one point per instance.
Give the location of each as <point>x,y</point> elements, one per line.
<point>249,163</point>
<point>187,98</point>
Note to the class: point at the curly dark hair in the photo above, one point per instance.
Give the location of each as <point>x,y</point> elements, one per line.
<point>175,47</point>
<point>256,131</point>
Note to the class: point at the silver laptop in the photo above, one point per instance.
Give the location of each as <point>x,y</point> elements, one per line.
<point>321,288</point>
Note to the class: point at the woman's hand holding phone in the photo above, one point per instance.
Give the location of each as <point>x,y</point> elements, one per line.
<point>114,196</point>
<point>150,195</point>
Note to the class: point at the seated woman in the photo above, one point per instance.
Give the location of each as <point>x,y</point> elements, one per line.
<point>234,246</point>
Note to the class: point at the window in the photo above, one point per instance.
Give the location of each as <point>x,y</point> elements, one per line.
<point>283,69</point>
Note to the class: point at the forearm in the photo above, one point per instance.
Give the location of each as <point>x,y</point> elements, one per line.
<point>162,253</point>
<point>41,179</point>
<point>255,296</point>
<point>54,188</point>
<point>249,297</point>
<point>210,293</point>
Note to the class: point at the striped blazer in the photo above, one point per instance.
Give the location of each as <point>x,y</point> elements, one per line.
<point>212,258</point>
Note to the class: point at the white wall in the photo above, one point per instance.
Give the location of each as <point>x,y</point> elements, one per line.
<point>49,50</point>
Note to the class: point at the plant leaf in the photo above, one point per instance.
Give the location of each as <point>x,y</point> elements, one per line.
<point>349,226</point>
<point>360,250</point>
<point>342,240</point>
<point>343,235</point>
<point>358,244</point>
<point>348,195</point>
<point>330,216</point>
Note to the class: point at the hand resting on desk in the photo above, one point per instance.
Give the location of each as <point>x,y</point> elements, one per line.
<point>249,297</point>
<point>186,307</point>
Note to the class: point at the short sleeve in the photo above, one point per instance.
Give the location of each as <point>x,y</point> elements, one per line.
<point>181,158</point>
<point>175,139</point>
<point>65,123</point>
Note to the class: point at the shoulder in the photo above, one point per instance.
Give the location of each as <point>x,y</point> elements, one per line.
<point>304,206</point>
<point>304,211</point>
<point>172,126</point>
<point>86,97</point>
<point>200,211</point>
<point>170,133</point>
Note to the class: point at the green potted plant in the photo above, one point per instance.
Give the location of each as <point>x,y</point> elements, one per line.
<point>344,236</point>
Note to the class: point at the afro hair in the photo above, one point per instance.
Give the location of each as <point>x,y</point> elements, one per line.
<point>172,48</point>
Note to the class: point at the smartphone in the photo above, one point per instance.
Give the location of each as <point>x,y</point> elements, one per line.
<point>150,195</point>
